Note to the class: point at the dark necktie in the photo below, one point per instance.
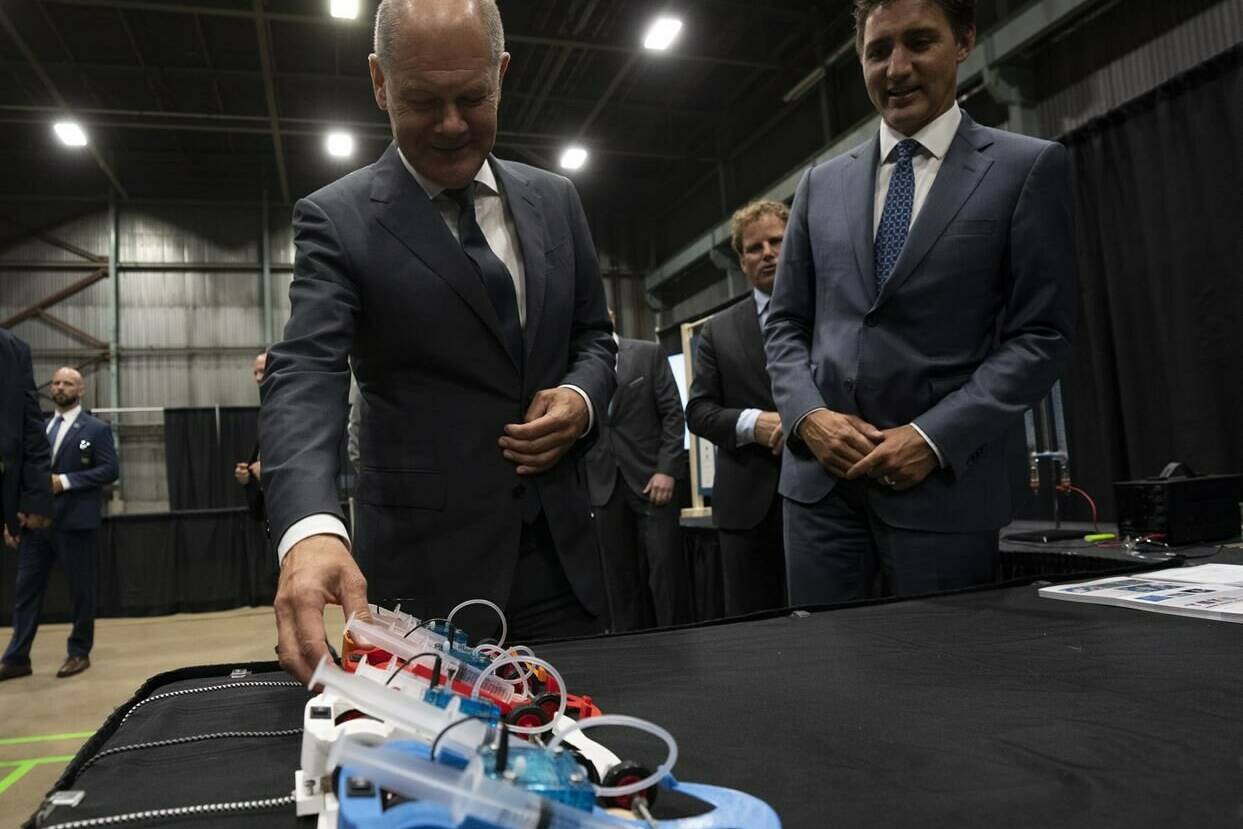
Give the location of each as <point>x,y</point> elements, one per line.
<point>54,430</point>
<point>895,219</point>
<point>496,278</point>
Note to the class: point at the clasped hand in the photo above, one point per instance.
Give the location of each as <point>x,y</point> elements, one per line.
<point>851,448</point>
<point>555,419</point>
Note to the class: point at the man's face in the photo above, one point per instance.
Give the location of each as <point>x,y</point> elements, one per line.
<point>910,63</point>
<point>761,246</point>
<point>257,369</point>
<point>441,93</point>
<point>67,388</point>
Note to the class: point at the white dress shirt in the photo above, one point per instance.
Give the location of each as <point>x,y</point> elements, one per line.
<point>498,228</point>
<point>744,429</point>
<point>67,419</point>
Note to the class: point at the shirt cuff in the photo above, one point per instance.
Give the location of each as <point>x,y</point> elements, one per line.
<point>744,429</point>
<point>931,445</point>
<point>793,433</point>
<point>320,524</point>
<point>591,412</point>
<point>64,482</point>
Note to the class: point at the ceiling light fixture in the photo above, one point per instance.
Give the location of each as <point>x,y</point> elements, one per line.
<point>662,33</point>
<point>339,144</point>
<point>573,158</point>
<point>70,133</point>
<point>343,9</point>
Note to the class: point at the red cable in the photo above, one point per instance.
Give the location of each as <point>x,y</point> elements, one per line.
<point>1091,503</point>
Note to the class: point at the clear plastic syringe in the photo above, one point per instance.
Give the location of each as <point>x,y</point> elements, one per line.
<point>464,794</point>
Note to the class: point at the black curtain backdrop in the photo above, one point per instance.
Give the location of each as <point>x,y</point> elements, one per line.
<point>1155,374</point>
<point>151,565</point>
<point>201,446</point>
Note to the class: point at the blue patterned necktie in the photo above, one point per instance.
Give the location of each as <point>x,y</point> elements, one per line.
<point>895,219</point>
<point>496,278</point>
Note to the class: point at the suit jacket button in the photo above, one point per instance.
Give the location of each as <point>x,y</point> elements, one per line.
<point>519,490</point>
<point>849,384</point>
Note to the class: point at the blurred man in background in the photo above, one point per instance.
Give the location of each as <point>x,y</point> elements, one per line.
<point>84,460</point>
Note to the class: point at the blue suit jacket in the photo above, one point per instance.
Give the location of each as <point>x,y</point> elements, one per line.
<point>24,454</point>
<point>965,335</point>
<point>380,280</point>
<point>88,457</point>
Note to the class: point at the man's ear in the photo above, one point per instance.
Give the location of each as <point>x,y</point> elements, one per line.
<point>378,87</point>
<point>966,43</point>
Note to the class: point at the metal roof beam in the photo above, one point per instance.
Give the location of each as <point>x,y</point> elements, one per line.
<point>17,39</point>
<point>269,91</point>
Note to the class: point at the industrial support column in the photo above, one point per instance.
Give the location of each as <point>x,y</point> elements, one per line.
<point>265,254</point>
<point>114,338</point>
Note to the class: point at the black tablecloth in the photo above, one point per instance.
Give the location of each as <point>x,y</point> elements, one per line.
<point>985,708</point>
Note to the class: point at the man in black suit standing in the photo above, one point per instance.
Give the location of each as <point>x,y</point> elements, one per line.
<point>466,293</point>
<point>250,473</point>
<point>83,461</point>
<point>631,474</point>
<point>731,405</point>
<point>25,485</point>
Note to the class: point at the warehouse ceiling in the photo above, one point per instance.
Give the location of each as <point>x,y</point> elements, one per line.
<point>221,99</point>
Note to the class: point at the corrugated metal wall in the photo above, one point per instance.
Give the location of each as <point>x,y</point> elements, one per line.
<point>191,312</point>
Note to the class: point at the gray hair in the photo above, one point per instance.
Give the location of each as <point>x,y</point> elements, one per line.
<point>388,18</point>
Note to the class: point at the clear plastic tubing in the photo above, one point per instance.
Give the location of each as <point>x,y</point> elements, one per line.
<point>485,603</point>
<point>508,659</point>
<point>633,722</point>
<point>464,794</point>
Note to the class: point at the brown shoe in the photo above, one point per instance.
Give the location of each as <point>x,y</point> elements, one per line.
<point>73,665</point>
<point>10,671</point>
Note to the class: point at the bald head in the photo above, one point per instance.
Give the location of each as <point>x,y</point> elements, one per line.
<point>67,388</point>
<point>396,20</point>
<point>259,366</point>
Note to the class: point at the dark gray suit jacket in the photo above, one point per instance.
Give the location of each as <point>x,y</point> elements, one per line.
<point>379,277</point>
<point>730,376</point>
<point>644,430</point>
<point>25,456</point>
<point>966,334</point>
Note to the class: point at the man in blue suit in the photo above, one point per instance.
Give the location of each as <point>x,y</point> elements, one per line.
<point>83,461</point>
<point>925,294</point>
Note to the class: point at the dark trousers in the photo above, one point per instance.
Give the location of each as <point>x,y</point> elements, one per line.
<point>77,551</point>
<point>838,550</point>
<point>753,565</point>
<point>645,573</point>
<point>542,604</point>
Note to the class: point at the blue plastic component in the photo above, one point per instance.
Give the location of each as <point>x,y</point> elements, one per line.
<point>484,710</point>
<point>554,776</point>
<point>733,809</point>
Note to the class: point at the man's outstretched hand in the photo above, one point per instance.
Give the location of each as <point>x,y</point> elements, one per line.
<point>555,419</point>
<point>317,571</point>
<point>902,460</point>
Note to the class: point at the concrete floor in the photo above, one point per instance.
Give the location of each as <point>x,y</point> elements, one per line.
<point>45,720</point>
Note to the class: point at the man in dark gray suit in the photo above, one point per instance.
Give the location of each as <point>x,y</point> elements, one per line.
<point>731,404</point>
<point>631,474</point>
<point>925,295</point>
<point>466,292</point>
<point>25,457</point>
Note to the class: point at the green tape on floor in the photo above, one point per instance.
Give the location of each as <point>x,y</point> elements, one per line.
<point>22,767</point>
<point>45,738</point>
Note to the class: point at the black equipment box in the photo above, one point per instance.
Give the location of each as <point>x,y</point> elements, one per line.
<point>1186,510</point>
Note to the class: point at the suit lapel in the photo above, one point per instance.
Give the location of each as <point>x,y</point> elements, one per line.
<point>860,192</point>
<point>961,172</point>
<point>750,335</point>
<point>410,216</point>
<point>524,205</point>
